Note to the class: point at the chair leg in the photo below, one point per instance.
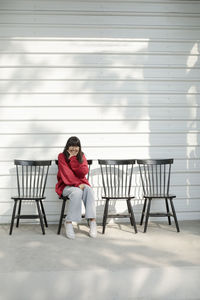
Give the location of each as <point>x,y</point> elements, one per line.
<point>147,215</point>
<point>167,207</point>
<point>43,212</point>
<point>105,215</point>
<point>88,222</point>
<point>143,211</point>
<point>40,216</point>
<point>128,205</point>
<point>61,215</point>
<point>132,217</point>
<point>19,212</point>
<point>13,216</point>
<point>174,214</point>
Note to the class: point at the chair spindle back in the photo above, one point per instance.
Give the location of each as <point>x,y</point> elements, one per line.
<point>116,177</point>
<point>31,177</point>
<point>155,176</point>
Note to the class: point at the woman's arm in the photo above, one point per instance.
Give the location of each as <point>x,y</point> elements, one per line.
<point>67,175</point>
<point>80,170</point>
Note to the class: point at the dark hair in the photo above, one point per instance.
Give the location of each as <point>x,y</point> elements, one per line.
<point>73,141</point>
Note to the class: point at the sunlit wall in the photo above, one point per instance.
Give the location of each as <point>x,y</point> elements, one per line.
<point>121,75</point>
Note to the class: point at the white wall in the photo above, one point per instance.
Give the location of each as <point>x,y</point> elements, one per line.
<point>121,75</point>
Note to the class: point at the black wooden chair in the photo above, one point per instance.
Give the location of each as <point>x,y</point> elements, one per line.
<point>155,177</point>
<point>64,199</point>
<point>31,183</point>
<point>116,179</point>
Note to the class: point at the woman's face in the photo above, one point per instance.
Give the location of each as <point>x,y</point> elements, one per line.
<point>73,150</point>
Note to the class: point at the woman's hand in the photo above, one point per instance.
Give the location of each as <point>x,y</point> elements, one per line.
<point>82,186</point>
<point>73,151</point>
<point>71,154</point>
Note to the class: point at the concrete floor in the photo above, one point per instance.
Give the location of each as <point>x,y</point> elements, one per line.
<point>161,264</point>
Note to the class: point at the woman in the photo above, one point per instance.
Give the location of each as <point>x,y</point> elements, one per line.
<point>72,168</point>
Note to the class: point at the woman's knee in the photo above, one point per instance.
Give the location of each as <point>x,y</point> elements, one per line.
<point>76,194</point>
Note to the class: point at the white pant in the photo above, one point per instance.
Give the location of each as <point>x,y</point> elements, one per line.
<point>76,196</point>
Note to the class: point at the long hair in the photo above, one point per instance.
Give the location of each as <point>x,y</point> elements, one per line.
<point>73,141</point>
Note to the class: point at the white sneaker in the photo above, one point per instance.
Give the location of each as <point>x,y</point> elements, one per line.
<point>93,229</point>
<point>69,230</point>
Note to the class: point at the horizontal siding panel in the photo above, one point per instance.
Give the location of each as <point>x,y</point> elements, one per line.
<point>90,127</point>
<point>100,31</point>
<point>64,18</point>
<point>52,199</point>
<point>76,86</point>
<point>102,113</point>
<point>177,179</point>
<point>190,167</point>
<point>56,74</point>
<point>183,193</point>
<point>181,152</point>
<point>85,45</point>
<point>99,59</point>
<point>101,99</point>
<point>181,204</point>
<point>102,139</point>
<point>104,6</point>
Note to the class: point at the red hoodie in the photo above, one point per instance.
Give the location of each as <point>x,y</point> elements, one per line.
<point>71,173</point>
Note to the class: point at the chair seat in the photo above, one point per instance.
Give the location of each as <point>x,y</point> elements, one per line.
<point>118,197</point>
<point>27,198</point>
<point>159,196</point>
